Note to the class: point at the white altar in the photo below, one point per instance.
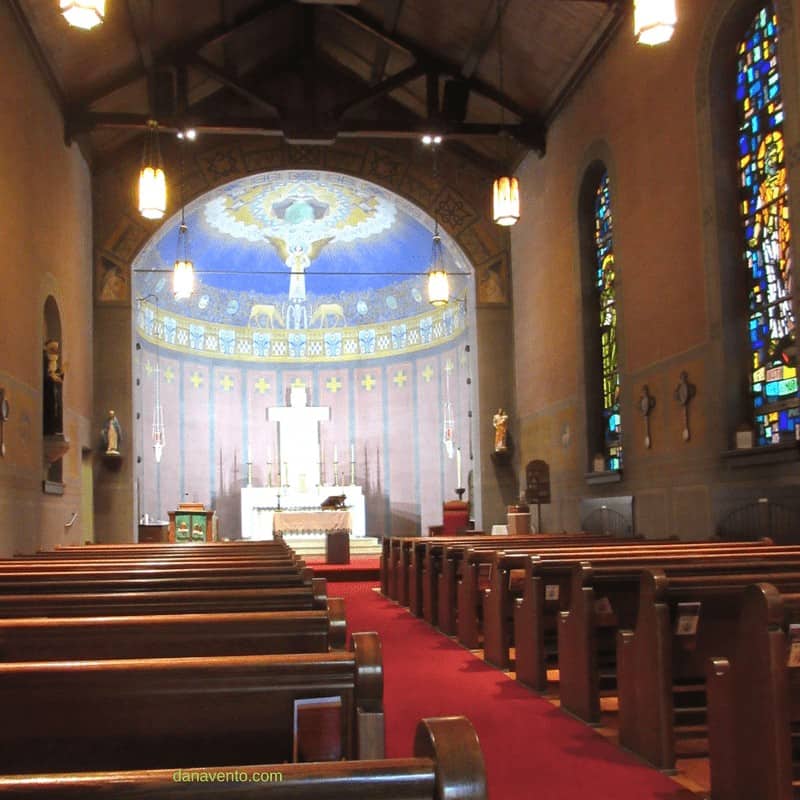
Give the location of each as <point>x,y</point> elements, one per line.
<point>259,504</point>
<point>300,470</point>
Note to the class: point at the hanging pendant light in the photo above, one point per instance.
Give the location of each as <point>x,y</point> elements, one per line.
<point>84,14</point>
<point>183,269</point>
<point>152,180</point>
<point>654,21</point>
<point>505,201</point>
<point>505,190</point>
<point>438,283</point>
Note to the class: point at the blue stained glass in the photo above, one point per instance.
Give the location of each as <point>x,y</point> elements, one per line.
<point>764,206</point>
<point>606,295</point>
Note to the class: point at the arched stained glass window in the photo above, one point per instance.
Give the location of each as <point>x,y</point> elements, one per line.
<point>764,208</point>
<point>604,283</point>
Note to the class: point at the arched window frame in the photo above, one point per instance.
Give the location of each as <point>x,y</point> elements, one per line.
<point>727,279</point>
<point>592,336</point>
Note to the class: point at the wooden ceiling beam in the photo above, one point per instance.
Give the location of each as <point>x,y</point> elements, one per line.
<point>264,126</point>
<point>533,123</point>
<point>182,51</point>
<point>391,16</point>
<point>374,92</point>
<point>234,84</point>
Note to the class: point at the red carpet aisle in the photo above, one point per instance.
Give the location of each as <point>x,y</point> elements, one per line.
<point>532,750</point>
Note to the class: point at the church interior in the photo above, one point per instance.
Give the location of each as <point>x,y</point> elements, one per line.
<point>414,383</point>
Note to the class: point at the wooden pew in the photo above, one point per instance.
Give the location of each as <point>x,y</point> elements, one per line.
<point>447,764</point>
<point>473,560</point>
<point>84,581</point>
<point>396,557</point>
<point>546,591</point>
<point>173,635</point>
<point>85,716</point>
<point>185,550</point>
<point>442,563</point>
<point>754,701</point>
<point>661,668</point>
<point>291,598</point>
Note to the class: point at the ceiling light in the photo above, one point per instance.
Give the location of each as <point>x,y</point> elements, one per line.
<point>83,13</point>
<point>430,138</point>
<point>152,180</point>
<point>505,191</point>
<point>654,21</point>
<point>438,283</point>
<point>505,201</point>
<point>189,133</point>
<point>183,269</point>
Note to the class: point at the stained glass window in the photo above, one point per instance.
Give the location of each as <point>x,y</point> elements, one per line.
<point>764,207</point>
<point>604,283</point>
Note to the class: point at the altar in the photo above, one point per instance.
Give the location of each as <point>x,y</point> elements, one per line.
<point>268,509</point>
<point>294,505</point>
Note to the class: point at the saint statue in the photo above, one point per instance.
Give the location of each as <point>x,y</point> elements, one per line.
<point>500,422</point>
<point>112,434</point>
<point>52,407</point>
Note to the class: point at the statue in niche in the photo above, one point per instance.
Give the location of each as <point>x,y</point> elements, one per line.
<point>52,407</point>
<point>500,422</point>
<point>112,434</point>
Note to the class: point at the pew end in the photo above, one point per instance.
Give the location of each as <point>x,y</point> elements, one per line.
<point>447,763</point>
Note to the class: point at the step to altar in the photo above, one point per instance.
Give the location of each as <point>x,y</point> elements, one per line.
<point>313,544</point>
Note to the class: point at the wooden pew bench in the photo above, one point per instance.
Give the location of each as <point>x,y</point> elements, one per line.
<point>291,598</point>
<point>447,764</point>
<point>546,592</point>
<point>442,567</point>
<point>173,635</point>
<point>177,551</point>
<point>85,581</point>
<point>86,716</point>
<point>754,701</point>
<point>473,563</point>
<point>662,664</point>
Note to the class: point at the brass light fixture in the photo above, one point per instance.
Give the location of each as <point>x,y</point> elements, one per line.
<point>438,283</point>
<point>505,190</point>
<point>84,14</point>
<point>183,269</point>
<point>152,180</point>
<point>654,21</point>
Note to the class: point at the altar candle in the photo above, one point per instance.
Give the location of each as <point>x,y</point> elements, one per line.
<point>458,468</point>
<point>335,455</point>
<point>352,452</point>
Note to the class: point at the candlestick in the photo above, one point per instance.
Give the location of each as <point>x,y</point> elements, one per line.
<point>335,469</point>
<point>458,467</point>
<point>335,455</point>
<point>249,473</point>
<point>269,474</point>
<point>352,452</point>
<point>353,473</point>
<point>285,474</point>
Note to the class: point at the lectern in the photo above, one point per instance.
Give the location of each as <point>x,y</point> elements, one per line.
<point>191,522</point>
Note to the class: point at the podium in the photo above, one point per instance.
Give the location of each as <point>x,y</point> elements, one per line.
<point>191,522</point>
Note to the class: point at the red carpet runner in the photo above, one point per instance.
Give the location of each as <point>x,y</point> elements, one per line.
<point>532,750</point>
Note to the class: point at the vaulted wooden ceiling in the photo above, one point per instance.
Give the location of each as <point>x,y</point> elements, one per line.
<point>315,70</point>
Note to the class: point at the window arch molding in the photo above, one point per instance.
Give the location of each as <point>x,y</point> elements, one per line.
<point>726,278</point>
<point>596,162</point>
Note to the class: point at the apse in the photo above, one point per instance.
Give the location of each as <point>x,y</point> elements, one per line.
<point>305,280</point>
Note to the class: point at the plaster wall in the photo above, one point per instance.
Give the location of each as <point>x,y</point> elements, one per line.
<point>45,227</point>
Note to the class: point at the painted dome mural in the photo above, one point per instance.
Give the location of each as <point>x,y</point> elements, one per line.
<point>312,263</point>
<point>309,280</point>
